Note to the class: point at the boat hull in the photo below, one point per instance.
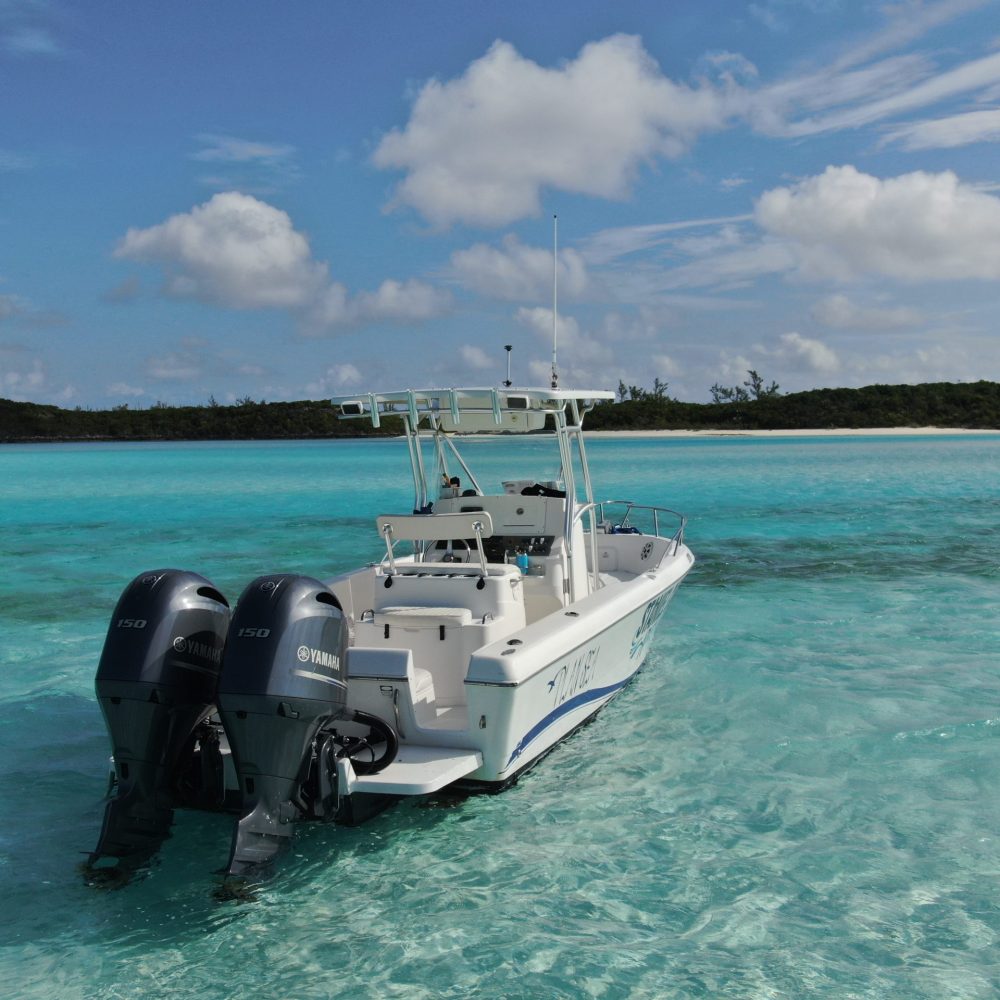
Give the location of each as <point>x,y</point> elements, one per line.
<point>606,646</point>
<point>529,690</point>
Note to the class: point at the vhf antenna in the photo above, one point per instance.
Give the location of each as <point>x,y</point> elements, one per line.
<point>507,382</point>
<point>555,297</point>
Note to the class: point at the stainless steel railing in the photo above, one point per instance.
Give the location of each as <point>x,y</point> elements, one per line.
<point>600,519</point>
<point>623,524</point>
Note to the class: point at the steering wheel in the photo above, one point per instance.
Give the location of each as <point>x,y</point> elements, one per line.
<point>454,556</point>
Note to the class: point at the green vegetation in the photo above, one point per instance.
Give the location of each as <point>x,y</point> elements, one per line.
<point>760,407</point>
<point>752,388</point>
<point>246,420</point>
<point>754,406</point>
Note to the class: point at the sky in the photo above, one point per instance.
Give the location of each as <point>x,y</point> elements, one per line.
<point>232,199</point>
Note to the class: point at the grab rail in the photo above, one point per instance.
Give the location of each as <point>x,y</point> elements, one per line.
<point>431,527</point>
<point>676,539</point>
<point>588,508</point>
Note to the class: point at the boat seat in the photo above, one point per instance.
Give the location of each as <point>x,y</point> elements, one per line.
<point>374,664</point>
<point>436,641</point>
<point>419,617</point>
<point>451,587</point>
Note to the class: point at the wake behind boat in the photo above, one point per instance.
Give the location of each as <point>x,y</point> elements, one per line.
<point>500,617</point>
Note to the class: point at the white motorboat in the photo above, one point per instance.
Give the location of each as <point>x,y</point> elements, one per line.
<point>499,618</point>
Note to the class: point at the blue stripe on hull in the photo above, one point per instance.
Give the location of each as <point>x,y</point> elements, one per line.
<point>565,708</point>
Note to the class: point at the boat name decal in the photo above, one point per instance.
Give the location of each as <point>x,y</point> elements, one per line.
<point>573,676</point>
<point>584,698</point>
<point>650,617</point>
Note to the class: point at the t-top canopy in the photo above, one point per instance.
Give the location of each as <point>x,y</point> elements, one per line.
<point>470,410</point>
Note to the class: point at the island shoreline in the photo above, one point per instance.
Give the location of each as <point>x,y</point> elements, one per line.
<point>800,432</point>
<point>827,432</point>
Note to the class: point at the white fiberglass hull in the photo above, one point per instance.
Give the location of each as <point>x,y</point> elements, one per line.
<point>529,690</point>
<point>566,672</point>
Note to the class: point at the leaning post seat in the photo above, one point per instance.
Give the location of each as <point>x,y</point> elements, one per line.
<point>488,590</point>
<point>435,528</point>
<point>447,588</point>
<point>440,612</point>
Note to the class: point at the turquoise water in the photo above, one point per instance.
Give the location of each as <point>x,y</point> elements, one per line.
<point>797,797</point>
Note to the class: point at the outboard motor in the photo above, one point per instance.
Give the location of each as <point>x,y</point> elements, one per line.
<point>155,683</point>
<point>284,677</point>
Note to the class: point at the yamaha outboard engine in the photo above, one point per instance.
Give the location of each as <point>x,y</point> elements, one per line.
<point>155,683</point>
<point>284,677</point>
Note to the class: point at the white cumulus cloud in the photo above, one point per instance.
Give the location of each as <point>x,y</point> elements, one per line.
<point>392,301</point>
<point>401,300</point>
<point>25,379</point>
<point>481,147</point>
<point>539,320</point>
<point>916,227</point>
<point>238,251</point>
<point>476,357</point>
<point>515,272</point>
<point>575,348</point>
<point>234,250</point>
<point>663,364</point>
<point>336,378</point>
<point>125,389</point>
<point>800,353</point>
<point>181,366</point>
<point>780,358</point>
<point>22,381</point>
<point>842,313</point>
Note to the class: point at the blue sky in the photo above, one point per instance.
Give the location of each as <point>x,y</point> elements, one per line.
<point>289,201</point>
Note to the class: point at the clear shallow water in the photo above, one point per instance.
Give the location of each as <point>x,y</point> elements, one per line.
<point>796,798</point>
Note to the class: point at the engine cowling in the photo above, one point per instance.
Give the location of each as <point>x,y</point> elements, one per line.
<point>155,683</point>
<point>283,678</point>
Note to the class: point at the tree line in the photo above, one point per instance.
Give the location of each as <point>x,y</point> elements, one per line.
<point>245,420</point>
<point>756,405</point>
